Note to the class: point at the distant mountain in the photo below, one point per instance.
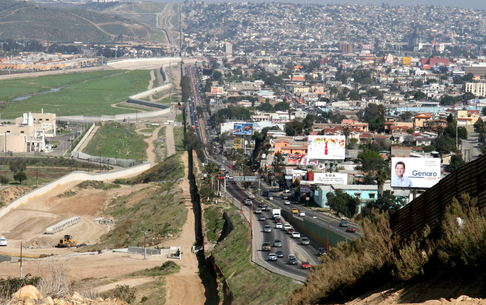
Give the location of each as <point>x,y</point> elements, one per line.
<point>26,20</point>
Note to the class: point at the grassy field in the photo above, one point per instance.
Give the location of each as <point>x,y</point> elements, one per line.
<point>179,139</point>
<point>244,278</point>
<point>129,144</point>
<point>174,98</point>
<point>90,93</point>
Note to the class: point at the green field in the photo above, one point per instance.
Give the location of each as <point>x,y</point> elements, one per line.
<point>89,93</point>
<point>129,144</point>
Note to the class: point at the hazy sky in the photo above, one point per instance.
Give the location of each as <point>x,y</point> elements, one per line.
<point>478,4</point>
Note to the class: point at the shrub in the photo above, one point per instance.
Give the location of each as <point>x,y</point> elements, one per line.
<point>124,293</point>
<point>10,285</point>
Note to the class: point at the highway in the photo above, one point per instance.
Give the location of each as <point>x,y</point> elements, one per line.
<point>289,245</point>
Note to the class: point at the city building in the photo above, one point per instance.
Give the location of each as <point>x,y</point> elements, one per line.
<point>478,89</point>
<point>346,47</point>
<point>28,133</point>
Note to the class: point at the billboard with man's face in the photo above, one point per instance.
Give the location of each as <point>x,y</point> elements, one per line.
<point>415,172</point>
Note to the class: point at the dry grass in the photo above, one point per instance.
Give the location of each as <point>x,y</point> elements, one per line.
<point>378,258</point>
<point>54,279</point>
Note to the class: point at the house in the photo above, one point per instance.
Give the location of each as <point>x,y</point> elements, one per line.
<point>467,117</point>
<point>421,120</point>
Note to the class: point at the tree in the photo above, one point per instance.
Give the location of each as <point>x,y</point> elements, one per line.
<point>406,116</point>
<point>17,166</point>
<point>419,95</point>
<point>20,176</point>
<point>217,75</point>
<point>371,162</point>
<point>381,176</point>
<point>294,128</point>
<point>444,144</point>
<point>267,107</point>
<point>282,106</point>
<point>456,162</point>
<point>387,202</point>
<point>343,203</point>
<point>418,84</point>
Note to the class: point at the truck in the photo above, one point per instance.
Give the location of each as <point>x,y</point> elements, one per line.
<point>276,214</point>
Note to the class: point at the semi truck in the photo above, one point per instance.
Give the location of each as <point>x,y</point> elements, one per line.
<point>276,214</point>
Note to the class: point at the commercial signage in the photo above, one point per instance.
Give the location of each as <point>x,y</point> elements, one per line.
<point>406,61</point>
<point>237,144</point>
<point>243,129</point>
<point>326,147</point>
<point>300,160</point>
<point>217,90</point>
<point>289,170</point>
<point>415,172</point>
<point>330,178</point>
<point>305,187</point>
<point>288,177</point>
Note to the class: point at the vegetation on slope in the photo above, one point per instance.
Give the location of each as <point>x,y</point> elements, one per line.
<point>26,20</point>
<point>378,258</point>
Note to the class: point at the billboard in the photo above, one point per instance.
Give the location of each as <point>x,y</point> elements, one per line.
<point>331,178</point>
<point>305,187</point>
<point>326,147</point>
<point>217,90</point>
<point>243,129</point>
<point>237,144</point>
<point>415,172</point>
<point>406,61</point>
<point>300,160</point>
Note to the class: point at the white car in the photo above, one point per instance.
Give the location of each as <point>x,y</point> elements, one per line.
<point>296,235</point>
<point>3,241</point>
<point>286,202</point>
<point>287,226</point>
<point>278,225</point>
<point>302,214</point>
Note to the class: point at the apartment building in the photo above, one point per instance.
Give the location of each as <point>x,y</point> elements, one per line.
<point>478,89</point>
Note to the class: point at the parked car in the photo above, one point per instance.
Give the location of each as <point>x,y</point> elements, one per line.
<point>343,224</point>
<point>302,214</point>
<point>267,229</point>
<point>272,257</point>
<point>305,241</point>
<point>3,241</point>
<point>292,260</point>
<point>277,243</point>
<point>286,202</point>
<point>279,253</point>
<point>278,225</point>
<point>287,226</point>
<point>295,211</point>
<point>351,230</point>
<point>296,235</point>
<point>305,265</point>
<point>262,218</point>
<point>258,211</point>
<point>266,247</point>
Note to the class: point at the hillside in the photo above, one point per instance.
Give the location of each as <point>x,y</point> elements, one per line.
<point>24,20</point>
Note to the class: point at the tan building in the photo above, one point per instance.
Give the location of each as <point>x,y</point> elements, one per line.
<point>346,47</point>
<point>467,117</point>
<point>28,133</point>
<point>478,89</point>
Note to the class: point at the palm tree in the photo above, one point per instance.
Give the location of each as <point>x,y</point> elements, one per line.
<point>346,132</point>
<point>381,176</point>
<point>211,169</point>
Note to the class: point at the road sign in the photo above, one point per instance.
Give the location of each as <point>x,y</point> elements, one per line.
<point>239,178</point>
<point>250,178</point>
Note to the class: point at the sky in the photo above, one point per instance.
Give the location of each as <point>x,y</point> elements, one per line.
<point>477,4</point>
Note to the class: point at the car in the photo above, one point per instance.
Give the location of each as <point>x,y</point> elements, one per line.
<point>351,230</point>
<point>265,208</point>
<point>302,214</point>
<point>261,205</point>
<point>279,253</point>
<point>277,220</point>
<point>277,243</point>
<point>267,229</point>
<point>305,241</point>
<point>248,201</point>
<point>262,218</point>
<point>343,224</point>
<point>252,196</point>
<point>270,198</point>
<point>291,230</point>
<point>266,246</point>
<point>258,211</point>
<point>305,265</point>
<point>3,241</point>
<point>296,235</point>
<point>287,226</point>
<point>295,211</point>
<point>265,193</point>
<point>321,251</point>
<point>286,202</point>
<point>278,225</point>
<point>292,260</point>
<point>272,257</point>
